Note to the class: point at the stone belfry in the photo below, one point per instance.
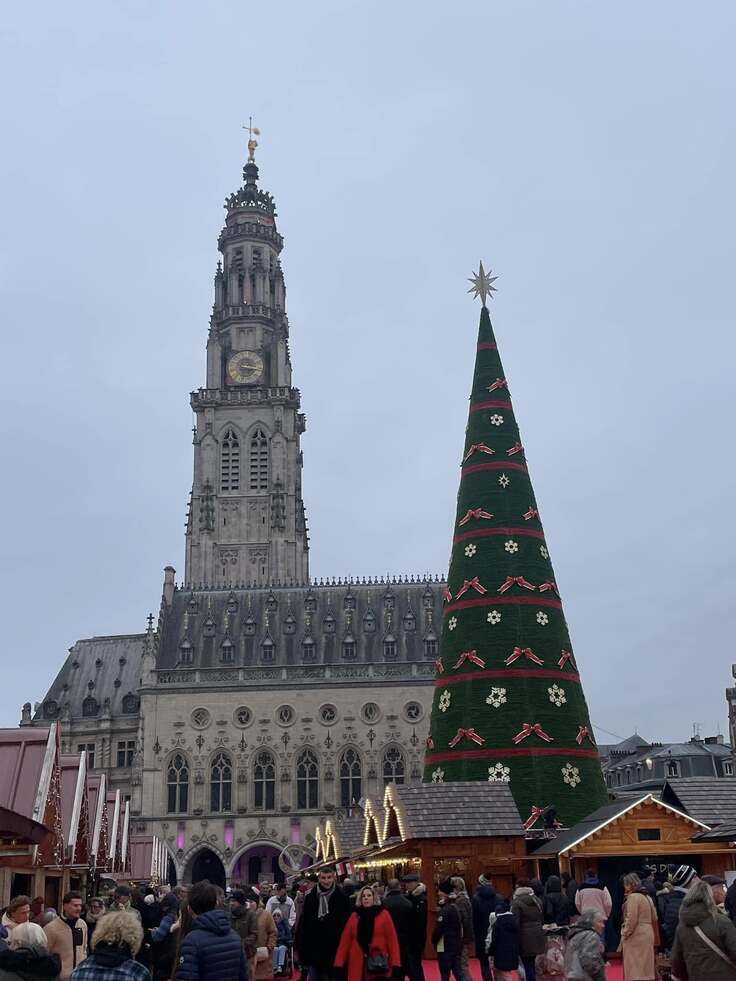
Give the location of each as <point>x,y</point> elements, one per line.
<point>246,521</point>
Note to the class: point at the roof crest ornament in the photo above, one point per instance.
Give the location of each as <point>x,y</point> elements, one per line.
<point>252,144</point>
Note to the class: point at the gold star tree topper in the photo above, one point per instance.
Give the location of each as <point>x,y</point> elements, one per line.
<point>482,284</point>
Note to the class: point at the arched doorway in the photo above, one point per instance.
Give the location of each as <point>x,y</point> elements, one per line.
<point>259,863</point>
<point>207,865</point>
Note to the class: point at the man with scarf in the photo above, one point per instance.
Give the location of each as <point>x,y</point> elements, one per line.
<point>326,911</point>
<point>67,934</point>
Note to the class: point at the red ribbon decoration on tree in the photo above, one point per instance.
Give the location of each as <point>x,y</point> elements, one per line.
<point>499,383</point>
<point>477,448</point>
<point>536,814</point>
<point>583,733</point>
<point>439,666</point>
<point>526,652</point>
<point>548,585</point>
<point>516,448</point>
<point>471,584</point>
<point>430,742</point>
<point>515,581</point>
<point>531,513</point>
<point>474,513</point>
<point>470,734</point>
<point>529,730</point>
<point>470,656</point>
<point>447,596</point>
<point>564,658</point>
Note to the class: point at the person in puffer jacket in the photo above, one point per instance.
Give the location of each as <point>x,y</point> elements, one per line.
<point>212,950</point>
<point>585,959</point>
<point>692,956</point>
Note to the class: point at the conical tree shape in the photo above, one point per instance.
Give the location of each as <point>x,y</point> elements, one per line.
<point>508,703</point>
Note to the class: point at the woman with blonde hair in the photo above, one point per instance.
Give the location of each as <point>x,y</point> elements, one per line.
<point>639,931</point>
<point>369,947</point>
<point>116,941</point>
<point>27,956</point>
<point>705,939</point>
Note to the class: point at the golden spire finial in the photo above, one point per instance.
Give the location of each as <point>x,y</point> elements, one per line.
<point>252,144</point>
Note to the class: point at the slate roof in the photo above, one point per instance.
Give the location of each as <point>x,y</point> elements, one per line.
<point>711,800</point>
<point>111,665</point>
<point>269,625</point>
<point>349,834</point>
<point>723,832</point>
<point>465,809</point>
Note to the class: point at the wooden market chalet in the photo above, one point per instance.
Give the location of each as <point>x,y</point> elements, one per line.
<point>61,827</point>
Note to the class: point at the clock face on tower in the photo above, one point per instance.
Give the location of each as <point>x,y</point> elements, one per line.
<point>244,368</point>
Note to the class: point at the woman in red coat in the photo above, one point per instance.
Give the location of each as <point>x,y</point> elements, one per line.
<point>369,931</point>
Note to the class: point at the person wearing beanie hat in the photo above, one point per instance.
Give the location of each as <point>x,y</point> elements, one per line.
<point>447,936</point>
<point>243,920</point>
<point>683,879</point>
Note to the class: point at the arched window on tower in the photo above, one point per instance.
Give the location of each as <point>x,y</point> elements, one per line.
<point>177,780</point>
<point>393,766</point>
<point>307,781</point>
<point>230,462</point>
<point>351,772</point>
<point>258,463</point>
<point>221,784</point>
<point>264,781</point>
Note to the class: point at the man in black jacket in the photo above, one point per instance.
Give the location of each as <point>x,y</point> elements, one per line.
<point>416,893</point>
<point>447,936</point>
<point>484,903</point>
<point>683,878</point>
<point>325,913</point>
<point>402,914</point>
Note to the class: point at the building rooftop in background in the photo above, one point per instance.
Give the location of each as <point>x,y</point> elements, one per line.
<point>634,764</point>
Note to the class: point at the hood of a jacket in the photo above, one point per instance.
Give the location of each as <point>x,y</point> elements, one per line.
<point>525,897</point>
<point>213,921</point>
<point>592,884</point>
<point>28,965</point>
<point>487,892</point>
<point>554,885</point>
<point>694,913</point>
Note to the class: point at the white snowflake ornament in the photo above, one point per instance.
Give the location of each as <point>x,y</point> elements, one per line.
<point>452,623</point>
<point>571,775</point>
<point>504,480</point>
<point>498,773</point>
<point>496,697</point>
<point>542,619</point>
<point>543,552</point>
<point>438,776</point>
<point>444,702</point>
<point>496,419</point>
<point>557,695</point>
<point>470,550</point>
<point>494,617</point>
<point>511,546</point>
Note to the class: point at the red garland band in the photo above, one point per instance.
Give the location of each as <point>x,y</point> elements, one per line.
<point>498,465</point>
<point>486,346</point>
<point>493,600</point>
<point>492,753</point>
<point>505,674</point>
<point>486,532</point>
<point>492,404</point>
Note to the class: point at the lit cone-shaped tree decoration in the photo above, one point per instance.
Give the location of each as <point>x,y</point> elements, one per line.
<point>509,704</point>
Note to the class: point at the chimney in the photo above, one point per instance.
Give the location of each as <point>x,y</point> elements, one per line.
<point>169,584</point>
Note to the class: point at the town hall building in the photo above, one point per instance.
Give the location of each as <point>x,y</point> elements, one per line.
<point>260,701</point>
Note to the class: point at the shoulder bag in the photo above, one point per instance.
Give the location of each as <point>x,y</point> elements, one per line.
<point>715,948</point>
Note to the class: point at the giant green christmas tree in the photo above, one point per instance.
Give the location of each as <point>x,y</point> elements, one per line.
<point>509,704</point>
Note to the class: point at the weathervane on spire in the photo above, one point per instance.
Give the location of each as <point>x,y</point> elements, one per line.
<point>252,144</point>
<point>482,284</point>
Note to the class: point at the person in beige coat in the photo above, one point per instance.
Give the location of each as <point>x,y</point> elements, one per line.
<point>638,932</point>
<point>261,967</point>
<point>67,934</point>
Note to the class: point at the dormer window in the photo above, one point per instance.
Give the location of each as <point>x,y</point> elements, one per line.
<point>309,653</point>
<point>410,623</point>
<point>673,768</point>
<point>348,649</point>
<point>90,707</point>
<point>267,651</point>
<point>389,649</point>
<point>226,651</point>
<point>430,647</point>
<point>249,627</point>
<point>369,623</point>
<point>328,624</point>
<point>186,653</point>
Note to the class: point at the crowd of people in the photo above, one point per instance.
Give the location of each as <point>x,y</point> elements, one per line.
<point>330,931</point>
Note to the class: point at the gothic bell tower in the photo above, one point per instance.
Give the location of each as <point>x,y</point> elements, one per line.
<point>246,520</point>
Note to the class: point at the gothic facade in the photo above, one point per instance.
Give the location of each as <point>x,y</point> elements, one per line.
<point>260,701</point>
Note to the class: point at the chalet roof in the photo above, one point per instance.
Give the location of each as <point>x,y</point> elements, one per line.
<point>349,834</point>
<point>598,820</point>
<point>462,809</point>
<point>23,753</point>
<point>711,800</point>
<point>723,832</point>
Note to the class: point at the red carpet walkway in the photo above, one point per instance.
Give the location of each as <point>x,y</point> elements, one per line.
<point>431,973</point>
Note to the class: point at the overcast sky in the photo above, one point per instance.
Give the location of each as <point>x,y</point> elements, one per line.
<point>585,151</point>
